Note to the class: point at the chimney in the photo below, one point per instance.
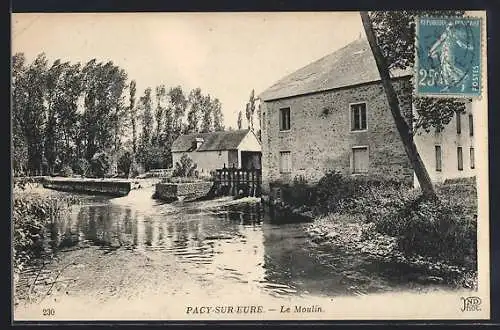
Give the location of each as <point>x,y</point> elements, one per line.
<point>199,142</point>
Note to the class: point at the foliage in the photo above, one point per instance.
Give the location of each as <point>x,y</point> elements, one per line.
<point>66,171</point>
<point>240,120</point>
<point>100,164</point>
<point>250,109</point>
<point>136,169</point>
<point>124,163</point>
<point>439,228</point>
<point>395,32</point>
<point>81,166</point>
<point>70,111</point>
<point>133,114</point>
<point>185,167</point>
<point>31,215</point>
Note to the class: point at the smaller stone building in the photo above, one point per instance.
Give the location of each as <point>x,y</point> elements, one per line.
<point>214,150</point>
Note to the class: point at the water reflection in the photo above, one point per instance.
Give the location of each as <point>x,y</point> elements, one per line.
<point>239,246</point>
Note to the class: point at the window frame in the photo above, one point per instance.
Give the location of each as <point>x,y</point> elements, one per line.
<point>351,123</point>
<point>281,119</point>
<point>438,161</point>
<point>458,122</point>
<point>353,167</point>
<point>471,124</point>
<point>472,158</point>
<point>289,169</point>
<point>460,158</point>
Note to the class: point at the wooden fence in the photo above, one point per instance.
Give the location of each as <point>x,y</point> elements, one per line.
<point>238,182</point>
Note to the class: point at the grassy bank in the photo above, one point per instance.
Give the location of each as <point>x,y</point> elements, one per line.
<point>393,222</point>
<point>32,214</point>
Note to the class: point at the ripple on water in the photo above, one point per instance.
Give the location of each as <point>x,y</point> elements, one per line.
<point>232,247</point>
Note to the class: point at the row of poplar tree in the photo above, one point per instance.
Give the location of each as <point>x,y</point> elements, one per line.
<point>84,118</point>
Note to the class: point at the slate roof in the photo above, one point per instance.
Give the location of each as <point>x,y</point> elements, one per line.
<point>351,65</point>
<point>227,140</point>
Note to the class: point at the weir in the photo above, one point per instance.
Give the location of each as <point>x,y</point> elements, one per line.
<point>111,187</point>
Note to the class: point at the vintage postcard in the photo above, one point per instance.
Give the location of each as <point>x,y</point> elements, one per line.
<point>250,166</point>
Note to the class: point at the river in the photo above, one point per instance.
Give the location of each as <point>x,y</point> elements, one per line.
<point>121,248</point>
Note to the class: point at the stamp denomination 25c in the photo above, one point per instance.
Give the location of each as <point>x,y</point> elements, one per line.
<point>448,56</point>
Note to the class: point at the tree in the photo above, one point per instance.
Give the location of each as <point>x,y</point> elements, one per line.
<point>133,115</point>
<point>103,101</point>
<point>179,103</point>
<point>185,167</point>
<point>240,120</point>
<point>395,35</point>
<point>159,113</point>
<point>19,150</point>
<point>145,105</point>
<point>218,116</point>
<point>207,112</point>
<point>29,111</point>
<point>403,128</point>
<point>250,110</point>
<point>195,104</point>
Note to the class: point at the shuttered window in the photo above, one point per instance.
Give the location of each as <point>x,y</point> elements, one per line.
<point>285,162</point>
<point>360,160</point>
<point>460,159</point>
<point>459,122</point>
<point>471,125</point>
<point>472,158</point>
<point>438,159</point>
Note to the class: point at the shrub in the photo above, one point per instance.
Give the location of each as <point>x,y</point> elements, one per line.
<point>81,166</point>
<point>124,163</point>
<point>437,228</point>
<point>66,171</point>
<point>100,164</point>
<point>185,167</point>
<point>30,218</point>
<point>299,192</point>
<point>136,169</point>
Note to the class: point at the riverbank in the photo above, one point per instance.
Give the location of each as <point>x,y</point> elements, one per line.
<point>430,241</point>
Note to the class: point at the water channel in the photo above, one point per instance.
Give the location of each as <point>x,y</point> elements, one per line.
<point>219,247</point>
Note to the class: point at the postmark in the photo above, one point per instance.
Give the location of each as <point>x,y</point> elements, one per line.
<point>448,59</point>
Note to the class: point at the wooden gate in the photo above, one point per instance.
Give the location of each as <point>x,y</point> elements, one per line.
<point>238,182</point>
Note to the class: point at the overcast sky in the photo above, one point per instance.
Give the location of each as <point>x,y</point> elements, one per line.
<point>225,54</point>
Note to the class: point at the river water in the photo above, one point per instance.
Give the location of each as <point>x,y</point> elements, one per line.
<point>222,246</point>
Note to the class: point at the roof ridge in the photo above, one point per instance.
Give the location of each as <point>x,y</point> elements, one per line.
<point>346,66</point>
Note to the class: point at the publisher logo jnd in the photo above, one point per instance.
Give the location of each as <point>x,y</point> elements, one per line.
<point>470,304</point>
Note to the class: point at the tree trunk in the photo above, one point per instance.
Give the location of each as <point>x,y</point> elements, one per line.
<point>401,125</point>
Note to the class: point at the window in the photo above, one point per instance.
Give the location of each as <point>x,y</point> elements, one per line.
<point>460,159</point>
<point>438,158</point>
<point>472,158</point>
<point>459,122</point>
<point>263,121</point>
<point>358,117</point>
<point>360,160</point>
<point>285,162</point>
<point>471,125</point>
<point>285,119</point>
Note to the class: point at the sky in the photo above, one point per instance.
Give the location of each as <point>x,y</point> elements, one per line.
<point>225,54</point>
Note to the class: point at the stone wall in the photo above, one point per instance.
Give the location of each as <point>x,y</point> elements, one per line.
<point>173,191</point>
<point>92,186</point>
<point>320,137</point>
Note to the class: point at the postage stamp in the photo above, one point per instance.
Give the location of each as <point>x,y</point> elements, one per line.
<point>448,56</point>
